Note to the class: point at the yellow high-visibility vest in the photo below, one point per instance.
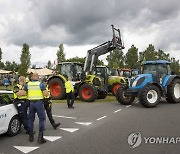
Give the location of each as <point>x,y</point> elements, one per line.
<point>48,92</point>
<point>34,91</point>
<point>19,97</point>
<point>69,87</point>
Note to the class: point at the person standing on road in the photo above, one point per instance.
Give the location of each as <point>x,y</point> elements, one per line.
<point>21,102</point>
<point>48,106</point>
<point>36,92</point>
<point>70,93</point>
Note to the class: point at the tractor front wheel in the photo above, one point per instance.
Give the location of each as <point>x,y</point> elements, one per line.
<point>57,89</point>
<point>88,92</point>
<point>123,97</point>
<point>149,96</point>
<point>173,92</point>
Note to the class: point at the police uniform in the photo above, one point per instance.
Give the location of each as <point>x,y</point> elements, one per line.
<point>70,94</point>
<point>36,105</point>
<point>48,108</point>
<point>21,105</point>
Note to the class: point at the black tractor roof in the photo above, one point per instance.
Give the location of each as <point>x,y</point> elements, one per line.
<point>156,62</point>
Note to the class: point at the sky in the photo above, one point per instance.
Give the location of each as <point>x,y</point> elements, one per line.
<point>83,24</point>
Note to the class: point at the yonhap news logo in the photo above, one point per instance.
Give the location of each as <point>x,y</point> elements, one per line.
<point>135,140</point>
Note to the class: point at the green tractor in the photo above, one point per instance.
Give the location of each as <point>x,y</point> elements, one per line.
<point>87,86</point>
<point>111,78</point>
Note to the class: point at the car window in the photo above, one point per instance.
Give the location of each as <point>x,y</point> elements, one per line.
<point>5,99</point>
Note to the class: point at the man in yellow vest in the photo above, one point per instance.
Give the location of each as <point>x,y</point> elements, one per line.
<point>21,102</point>
<point>36,91</point>
<point>48,106</point>
<point>70,93</point>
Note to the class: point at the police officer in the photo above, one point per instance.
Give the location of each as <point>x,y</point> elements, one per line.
<point>36,92</point>
<point>70,93</point>
<point>48,106</point>
<point>21,102</point>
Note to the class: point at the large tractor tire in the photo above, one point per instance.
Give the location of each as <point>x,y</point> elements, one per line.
<point>102,94</point>
<point>123,98</point>
<point>150,96</point>
<point>57,88</point>
<point>88,92</point>
<point>115,88</point>
<point>173,91</point>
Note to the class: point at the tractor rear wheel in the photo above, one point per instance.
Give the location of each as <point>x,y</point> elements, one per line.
<point>124,98</point>
<point>57,88</point>
<point>115,88</point>
<point>149,96</point>
<point>173,92</point>
<point>88,92</point>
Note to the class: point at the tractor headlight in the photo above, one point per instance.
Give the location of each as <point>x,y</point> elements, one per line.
<point>138,82</point>
<point>134,83</point>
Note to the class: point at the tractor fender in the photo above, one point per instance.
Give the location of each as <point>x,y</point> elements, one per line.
<point>159,86</point>
<point>59,76</point>
<point>170,79</point>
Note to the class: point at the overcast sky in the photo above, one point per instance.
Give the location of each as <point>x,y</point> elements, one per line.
<point>82,24</point>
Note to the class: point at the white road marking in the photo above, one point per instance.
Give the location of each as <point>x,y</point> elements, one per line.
<point>64,117</point>
<point>71,130</point>
<point>84,123</point>
<point>25,149</point>
<point>128,105</point>
<point>52,138</point>
<point>101,118</point>
<point>117,111</point>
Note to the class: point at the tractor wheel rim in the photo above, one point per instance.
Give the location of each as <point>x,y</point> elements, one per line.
<point>87,93</point>
<point>152,96</point>
<point>115,88</point>
<point>177,91</point>
<point>55,89</point>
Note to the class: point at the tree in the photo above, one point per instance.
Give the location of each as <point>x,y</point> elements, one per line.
<point>148,54</point>
<point>116,59</point>
<point>48,64</point>
<point>131,57</point>
<point>60,54</point>
<point>174,66</point>
<point>1,63</point>
<point>25,60</point>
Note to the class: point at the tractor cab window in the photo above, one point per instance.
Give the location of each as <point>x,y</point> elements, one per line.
<point>99,72</point>
<point>149,69</point>
<point>66,70</point>
<point>162,68</point>
<point>113,72</point>
<point>127,74</point>
<point>77,73</point>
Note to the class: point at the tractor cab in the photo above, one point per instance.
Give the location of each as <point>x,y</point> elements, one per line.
<point>72,69</point>
<point>158,69</point>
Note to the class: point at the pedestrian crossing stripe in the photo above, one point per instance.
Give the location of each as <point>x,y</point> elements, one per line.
<point>84,123</point>
<point>25,149</point>
<point>52,138</point>
<point>71,130</point>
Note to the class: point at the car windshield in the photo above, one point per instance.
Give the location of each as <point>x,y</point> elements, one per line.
<point>149,69</point>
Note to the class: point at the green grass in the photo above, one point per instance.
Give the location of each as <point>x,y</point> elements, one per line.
<point>109,98</point>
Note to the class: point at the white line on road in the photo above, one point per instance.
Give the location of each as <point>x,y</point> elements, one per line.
<point>117,111</point>
<point>64,117</point>
<point>128,105</point>
<point>101,118</point>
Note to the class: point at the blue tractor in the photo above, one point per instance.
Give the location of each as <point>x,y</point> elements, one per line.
<point>155,82</point>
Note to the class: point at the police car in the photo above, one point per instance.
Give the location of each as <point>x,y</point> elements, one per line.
<point>9,121</point>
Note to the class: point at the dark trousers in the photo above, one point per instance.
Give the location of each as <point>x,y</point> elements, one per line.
<point>22,106</point>
<point>70,99</point>
<point>36,107</point>
<point>48,108</point>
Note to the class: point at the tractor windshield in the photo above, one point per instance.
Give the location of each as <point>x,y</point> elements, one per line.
<point>99,71</point>
<point>66,70</point>
<point>149,69</point>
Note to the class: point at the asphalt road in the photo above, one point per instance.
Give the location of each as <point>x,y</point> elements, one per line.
<point>104,128</point>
